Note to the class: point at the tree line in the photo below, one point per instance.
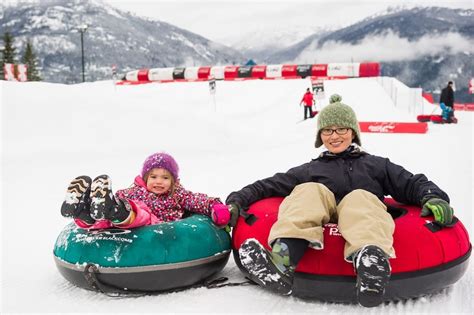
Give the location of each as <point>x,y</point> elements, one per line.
<point>9,56</point>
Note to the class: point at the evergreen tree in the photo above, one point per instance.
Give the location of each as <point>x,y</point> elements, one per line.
<point>8,52</point>
<point>29,59</point>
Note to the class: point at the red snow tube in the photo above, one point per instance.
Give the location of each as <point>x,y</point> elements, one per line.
<point>423,118</point>
<point>429,258</point>
<point>437,119</point>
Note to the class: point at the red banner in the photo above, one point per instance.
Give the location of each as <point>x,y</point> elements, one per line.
<point>393,127</point>
<point>428,97</point>
<point>465,106</point>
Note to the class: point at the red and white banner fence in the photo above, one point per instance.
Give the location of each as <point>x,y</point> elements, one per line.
<point>11,75</point>
<point>330,70</point>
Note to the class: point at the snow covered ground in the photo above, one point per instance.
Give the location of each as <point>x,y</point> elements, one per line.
<point>51,133</point>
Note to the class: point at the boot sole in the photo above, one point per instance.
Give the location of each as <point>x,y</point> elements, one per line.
<point>255,259</point>
<point>101,189</point>
<point>75,195</point>
<point>372,278</point>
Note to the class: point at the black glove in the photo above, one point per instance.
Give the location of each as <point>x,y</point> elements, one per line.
<point>442,211</point>
<point>234,209</point>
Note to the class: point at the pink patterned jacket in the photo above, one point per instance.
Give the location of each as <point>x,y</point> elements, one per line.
<point>169,207</point>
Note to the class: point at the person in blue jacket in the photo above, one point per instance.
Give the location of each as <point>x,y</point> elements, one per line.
<point>344,185</point>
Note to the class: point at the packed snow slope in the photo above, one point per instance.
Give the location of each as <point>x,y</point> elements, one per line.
<point>246,131</point>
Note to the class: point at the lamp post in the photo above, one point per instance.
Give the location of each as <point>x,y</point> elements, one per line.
<point>83,29</point>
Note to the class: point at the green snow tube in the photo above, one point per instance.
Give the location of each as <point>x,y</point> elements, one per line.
<point>162,257</point>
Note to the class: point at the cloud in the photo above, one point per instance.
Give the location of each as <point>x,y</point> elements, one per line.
<point>387,47</point>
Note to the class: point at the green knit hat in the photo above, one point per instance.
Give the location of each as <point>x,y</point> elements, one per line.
<point>337,114</point>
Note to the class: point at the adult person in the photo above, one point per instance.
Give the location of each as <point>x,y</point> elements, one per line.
<point>446,102</point>
<point>308,102</point>
<point>447,95</point>
<point>345,185</point>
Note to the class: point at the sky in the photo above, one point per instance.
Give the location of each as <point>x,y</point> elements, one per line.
<point>246,131</point>
<point>221,20</point>
<point>253,24</point>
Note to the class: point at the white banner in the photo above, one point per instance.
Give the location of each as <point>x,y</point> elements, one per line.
<point>212,86</point>
<point>274,71</point>
<point>343,69</point>
<point>318,88</point>
<point>132,76</point>
<point>217,72</point>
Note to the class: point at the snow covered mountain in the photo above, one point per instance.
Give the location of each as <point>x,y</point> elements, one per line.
<point>264,41</point>
<point>420,46</point>
<point>113,37</point>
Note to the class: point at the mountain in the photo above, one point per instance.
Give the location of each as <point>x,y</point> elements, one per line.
<point>265,40</point>
<point>113,37</point>
<point>423,47</point>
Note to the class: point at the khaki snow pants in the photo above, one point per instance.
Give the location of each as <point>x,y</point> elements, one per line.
<point>361,217</point>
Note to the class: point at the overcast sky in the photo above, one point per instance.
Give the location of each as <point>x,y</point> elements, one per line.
<point>217,20</point>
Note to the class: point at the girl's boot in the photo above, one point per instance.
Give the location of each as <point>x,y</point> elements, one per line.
<point>77,197</point>
<point>102,197</point>
<point>122,213</point>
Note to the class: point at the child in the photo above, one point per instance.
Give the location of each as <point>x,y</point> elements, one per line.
<point>344,185</point>
<point>155,197</point>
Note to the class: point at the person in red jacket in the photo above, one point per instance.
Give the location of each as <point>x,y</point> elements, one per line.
<point>308,102</point>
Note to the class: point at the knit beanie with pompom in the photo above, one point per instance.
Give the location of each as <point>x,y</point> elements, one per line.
<point>337,114</point>
<point>161,160</point>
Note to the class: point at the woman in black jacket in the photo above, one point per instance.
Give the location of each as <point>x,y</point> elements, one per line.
<point>344,185</point>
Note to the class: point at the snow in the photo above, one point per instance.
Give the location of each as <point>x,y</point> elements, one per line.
<point>52,133</point>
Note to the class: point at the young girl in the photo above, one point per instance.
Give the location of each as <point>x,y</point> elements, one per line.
<point>156,196</point>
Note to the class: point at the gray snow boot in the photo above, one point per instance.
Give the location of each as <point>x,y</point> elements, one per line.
<point>373,273</point>
<point>270,270</point>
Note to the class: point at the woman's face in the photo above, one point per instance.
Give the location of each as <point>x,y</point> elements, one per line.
<point>336,138</point>
<point>159,181</point>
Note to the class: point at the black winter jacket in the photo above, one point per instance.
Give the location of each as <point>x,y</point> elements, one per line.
<point>343,173</point>
<point>447,96</point>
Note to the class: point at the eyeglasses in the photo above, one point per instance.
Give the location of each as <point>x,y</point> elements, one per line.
<point>339,131</point>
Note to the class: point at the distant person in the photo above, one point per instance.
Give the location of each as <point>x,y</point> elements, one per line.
<point>156,196</point>
<point>447,95</point>
<point>446,102</point>
<point>308,102</point>
<point>344,185</point>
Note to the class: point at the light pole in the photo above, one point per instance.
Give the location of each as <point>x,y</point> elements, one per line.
<point>83,29</point>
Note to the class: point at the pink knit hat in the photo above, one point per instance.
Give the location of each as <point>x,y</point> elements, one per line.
<point>161,160</point>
